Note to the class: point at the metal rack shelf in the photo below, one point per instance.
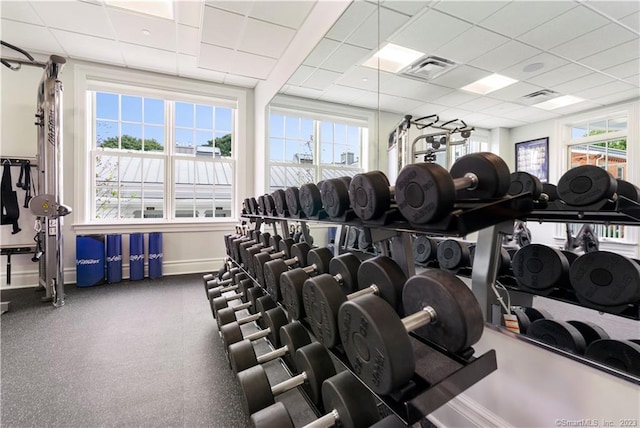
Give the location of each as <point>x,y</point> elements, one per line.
<point>624,212</point>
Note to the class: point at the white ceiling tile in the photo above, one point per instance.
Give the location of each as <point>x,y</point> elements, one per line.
<point>410,88</point>
<point>397,104</point>
<point>19,11</point>
<point>523,114</point>
<point>215,58</point>
<point>426,109</point>
<point>473,118</point>
<point>582,83</point>
<point>129,28</point>
<point>460,76</point>
<point>521,16</point>
<point>361,78</point>
<point>222,28</point>
<point>374,29</point>
<point>81,46</point>
<point>472,11</point>
<point>342,94</point>
<point>151,59</point>
<point>604,90</point>
<point>515,92</point>
<point>632,21</point>
<point>300,75</point>
<point>241,7</point>
<point>498,122</point>
<point>189,12</point>
<point>94,20</point>
<point>455,114</point>
<point>370,100</point>
<point>479,104</point>
<point>247,82</point>
<point>188,40</point>
<point>575,108</point>
<point>565,27</point>
<point>502,108</point>
<point>455,99</point>
<point>614,56</point>
<point>550,62</point>
<point>429,31</point>
<point>560,75</point>
<point>188,67</point>
<point>250,65</point>
<point>618,97</point>
<point>345,57</point>
<point>300,91</point>
<point>322,50</point>
<point>321,79</point>
<point>409,8</point>
<point>634,80</point>
<point>615,9</point>
<point>29,37</point>
<point>598,40</point>
<point>505,56</point>
<point>538,115</point>
<point>265,39</point>
<point>471,44</point>
<point>352,17</point>
<point>284,89</point>
<point>291,14</point>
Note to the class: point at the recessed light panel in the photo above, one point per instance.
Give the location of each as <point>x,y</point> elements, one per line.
<point>489,84</point>
<point>392,58</point>
<point>160,8</point>
<point>563,101</point>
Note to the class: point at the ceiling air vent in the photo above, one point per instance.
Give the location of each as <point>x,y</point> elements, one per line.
<point>539,96</point>
<point>427,68</point>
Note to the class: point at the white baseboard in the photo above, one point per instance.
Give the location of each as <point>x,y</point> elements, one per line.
<point>463,412</point>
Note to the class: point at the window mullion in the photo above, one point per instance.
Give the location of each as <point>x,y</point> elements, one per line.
<point>169,161</point>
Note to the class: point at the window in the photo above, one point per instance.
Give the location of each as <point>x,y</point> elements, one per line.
<point>304,148</point>
<point>160,157</point>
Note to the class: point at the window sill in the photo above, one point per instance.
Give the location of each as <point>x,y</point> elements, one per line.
<point>226,225</point>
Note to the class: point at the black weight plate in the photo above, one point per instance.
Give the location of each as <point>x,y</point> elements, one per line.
<point>272,272</point>
<point>606,278</point>
<point>256,389</point>
<point>314,360</point>
<point>523,320</point>
<point>453,255</point>
<point>353,402</point>
<point>523,182</point>
<point>628,190</point>
<point>335,197</point>
<point>253,294</point>
<point>352,238</point>
<point>254,206</point>
<point>274,241</point>
<point>225,316</point>
<point>274,416</point>
<point>570,255</point>
<point>493,174</point>
<point>231,333</point>
<point>264,304</point>
<point>386,276</point>
<point>280,201</point>
<point>364,244</point>
<point>292,197</point>
<point>243,288</point>
<point>371,334</point>
<point>310,199</point>
<point>370,195</point>
<point>558,334</point>
<point>586,185</point>
<point>300,252</point>
<point>424,249</point>
<point>320,258</point>
<point>259,261</point>
<point>345,267</point>
<point>262,204</point>
<point>459,321</point>
<point>424,192</point>
<point>590,331</point>
<point>539,267</point>
<point>550,190</point>
<point>273,319</point>
<point>291,291</point>
<point>270,205</point>
<point>242,356</point>
<point>535,314</point>
<point>285,245</point>
<point>217,304</point>
<point>294,336</point>
<point>322,297</point>
<point>623,355</point>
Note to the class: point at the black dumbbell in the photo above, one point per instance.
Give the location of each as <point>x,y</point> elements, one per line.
<point>426,192</point>
<point>259,304</point>
<point>504,262</point>
<point>453,255</point>
<point>274,245</point>
<point>540,268</point>
<point>214,292</point>
<point>292,198</point>
<point>310,199</point>
<point>227,279</point>
<point>266,205</point>
<point>294,336</point>
<point>371,195</point>
<point>316,262</point>
<point>559,334</point>
<point>235,246</point>
<point>251,206</point>
<point>348,402</point>
<point>264,240</point>
<point>605,280</point>
<point>442,309</point>
<point>524,182</point>
<point>288,249</point>
<point>425,249</point>
<point>343,269</point>
<point>271,320</point>
<point>218,274</point>
<point>586,185</point>
<point>628,190</point>
<point>315,366</point>
<point>248,294</point>
<point>623,355</point>
<point>280,201</point>
<point>590,331</point>
<point>323,295</point>
<point>551,190</point>
<point>527,315</point>
<point>335,196</point>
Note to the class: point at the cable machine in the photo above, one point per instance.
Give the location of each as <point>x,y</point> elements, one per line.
<point>47,205</point>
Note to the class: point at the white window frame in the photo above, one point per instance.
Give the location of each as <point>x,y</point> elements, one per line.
<point>115,80</point>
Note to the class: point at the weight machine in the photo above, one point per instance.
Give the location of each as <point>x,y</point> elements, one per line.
<point>47,206</point>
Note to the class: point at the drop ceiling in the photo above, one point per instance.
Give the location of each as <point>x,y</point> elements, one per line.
<point>589,49</point>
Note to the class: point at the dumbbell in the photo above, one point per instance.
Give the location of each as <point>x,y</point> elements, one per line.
<point>426,192</point>
<point>453,255</point>
<point>589,331</point>
<point>442,309</point>
<point>266,204</point>
<point>528,315</point>
<point>292,198</point>
<point>235,246</point>
<point>251,205</point>
<point>316,262</point>
<point>259,303</point>
<point>605,280</point>
<point>335,196</point>
<point>315,366</point>
<point>559,334</point>
<point>570,255</point>
<point>227,279</point>
<point>276,243</point>
<point>287,249</point>
<point>218,274</point>
<point>586,185</point>
<point>264,240</point>
<point>425,249</point>
<point>371,195</point>
<point>280,201</point>
<point>349,405</point>
<point>628,190</point>
<point>343,269</point>
<point>323,295</point>
<point>271,320</point>
<point>623,355</point>
<point>551,190</point>
<point>504,260</point>
<point>225,286</point>
<point>294,336</point>
<point>524,182</point>
<point>540,268</point>
<point>310,199</point>
<point>247,294</point>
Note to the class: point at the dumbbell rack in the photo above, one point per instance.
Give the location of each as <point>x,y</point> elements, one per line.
<point>440,375</point>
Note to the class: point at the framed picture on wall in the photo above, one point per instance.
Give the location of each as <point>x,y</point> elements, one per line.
<point>533,157</point>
